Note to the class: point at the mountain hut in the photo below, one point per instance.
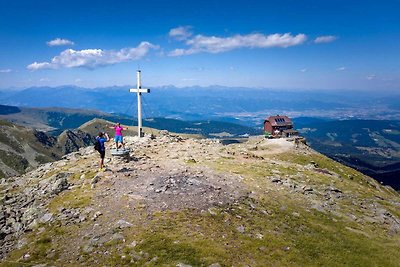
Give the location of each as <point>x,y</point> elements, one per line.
<point>279,126</point>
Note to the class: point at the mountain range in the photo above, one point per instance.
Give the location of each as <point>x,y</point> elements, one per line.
<point>246,106</point>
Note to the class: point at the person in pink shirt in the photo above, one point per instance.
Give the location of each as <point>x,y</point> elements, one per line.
<point>118,135</point>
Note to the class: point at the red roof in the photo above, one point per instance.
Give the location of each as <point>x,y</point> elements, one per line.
<point>279,120</point>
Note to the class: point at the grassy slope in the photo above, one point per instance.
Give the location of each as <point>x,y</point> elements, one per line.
<point>15,141</point>
<point>278,226</point>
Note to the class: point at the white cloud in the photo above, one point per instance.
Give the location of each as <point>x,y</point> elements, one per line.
<point>178,52</point>
<point>371,77</point>
<point>325,39</point>
<point>212,44</point>
<point>188,79</point>
<point>44,79</point>
<point>181,33</point>
<point>59,42</point>
<point>303,70</point>
<point>5,71</point>
<point>93,58</point>
<point>341,69</point>
<point>37,66</point>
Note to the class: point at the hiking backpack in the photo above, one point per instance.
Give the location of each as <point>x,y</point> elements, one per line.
<point>97,145</point>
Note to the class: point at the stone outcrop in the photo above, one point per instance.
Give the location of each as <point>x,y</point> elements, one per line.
<point>172,182</point>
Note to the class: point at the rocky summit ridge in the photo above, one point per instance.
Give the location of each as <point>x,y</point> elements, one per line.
<point>179,201</point>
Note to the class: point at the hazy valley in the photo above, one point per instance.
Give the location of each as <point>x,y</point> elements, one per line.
<point>247,106</point>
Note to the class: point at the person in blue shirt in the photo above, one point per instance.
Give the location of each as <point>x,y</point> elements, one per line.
<point>102,138</point>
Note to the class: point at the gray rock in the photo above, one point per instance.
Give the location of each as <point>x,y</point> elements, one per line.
<point>212,211</point>
<point>215,265</point>
<point>34,224</point>
<point>88,248</point>
<point>307,189</point>
<point>117,237</point>
<point>46,218</point>
<point>96,215</point>
<point>60,184</point>
<point>183,265</point>
<point>259,236</point>
<point>276,180</point>
<point>10,201</point>
<point>164,133</point>
<point>333,189</point>
<point>46,166</point>
<point>123,224</point>
<point>29,215</point>
<point>95,179</point>
<point>21,242</point>
<point>16,226</point>
<point>240,229</point>
<point>133,244</point>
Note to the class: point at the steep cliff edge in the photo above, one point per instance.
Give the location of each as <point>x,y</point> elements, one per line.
<point>182,201</point>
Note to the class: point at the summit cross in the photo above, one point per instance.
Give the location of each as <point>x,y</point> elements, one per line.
<point>139,90</point>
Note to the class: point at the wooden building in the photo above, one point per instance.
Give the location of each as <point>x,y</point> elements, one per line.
<point>279,126</point>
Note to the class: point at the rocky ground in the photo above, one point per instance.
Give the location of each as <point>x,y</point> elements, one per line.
<point>193,202</point>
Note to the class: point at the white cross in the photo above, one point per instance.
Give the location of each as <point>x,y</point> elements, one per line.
<point>139,90</point>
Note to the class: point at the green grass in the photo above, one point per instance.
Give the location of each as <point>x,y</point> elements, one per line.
<point>41,159</point>
<point>78,198</point>
<point>168,251</point>
<point>42,247</point>
<point>311,240</point>
<point>38,251</point>
<point>14,161</point>
<point>6,123</point>
<point>10,141</point>
<point>276,238</point>
<point>77,176</point>
<point>190,161</point>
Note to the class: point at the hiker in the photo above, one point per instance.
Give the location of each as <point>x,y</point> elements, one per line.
<point>101,139</point>
<point>118,134</point>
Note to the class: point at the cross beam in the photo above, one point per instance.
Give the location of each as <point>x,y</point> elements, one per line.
<point>139,90</point>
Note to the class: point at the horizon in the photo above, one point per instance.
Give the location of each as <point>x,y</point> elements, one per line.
<point>381,92</point>
<point>278,46</point>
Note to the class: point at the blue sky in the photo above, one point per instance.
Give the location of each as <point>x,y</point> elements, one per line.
<point>269,44</point>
